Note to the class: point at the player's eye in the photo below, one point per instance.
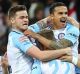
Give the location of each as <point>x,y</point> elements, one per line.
<point>60,13</point>
<point>21,17</point>
<point>66,12</point>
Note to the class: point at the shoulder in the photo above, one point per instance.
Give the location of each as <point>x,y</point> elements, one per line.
<point>69,26</point>
<point>34,27</point>
<point>72,28</point>
<point>14,34</point>
<point>16,37</point>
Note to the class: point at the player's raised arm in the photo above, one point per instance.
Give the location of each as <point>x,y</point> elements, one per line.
<point>73,21</point>
<point>45,22</point>
<point>51,44</point>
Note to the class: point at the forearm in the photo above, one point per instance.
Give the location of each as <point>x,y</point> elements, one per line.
<point>56,54</point>
<point>46,55</point>
<point>45,42</point>
<point>53,54</point>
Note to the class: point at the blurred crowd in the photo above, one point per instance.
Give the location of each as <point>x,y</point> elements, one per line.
<point>37,9</point>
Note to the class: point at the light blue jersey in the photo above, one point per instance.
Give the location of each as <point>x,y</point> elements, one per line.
<point>77,70</point>
<point>18,45</point>
<point>57,66</point>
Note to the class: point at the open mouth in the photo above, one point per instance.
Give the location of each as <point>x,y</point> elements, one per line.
<point>25,24</point>
<point>63,20</point>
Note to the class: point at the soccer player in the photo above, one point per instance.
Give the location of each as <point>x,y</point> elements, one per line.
<point>65,34</point>
<point>20,50</point>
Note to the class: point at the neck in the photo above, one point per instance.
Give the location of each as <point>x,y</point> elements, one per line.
<point>56,27</point>
<point>18,29</point>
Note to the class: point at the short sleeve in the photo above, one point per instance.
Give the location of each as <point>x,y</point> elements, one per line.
<point>72,34</point>
<point>35,27</point>
<point>22,42</point>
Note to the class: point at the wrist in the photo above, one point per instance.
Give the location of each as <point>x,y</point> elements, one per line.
<point>37,36</point>
<point>74,60</point>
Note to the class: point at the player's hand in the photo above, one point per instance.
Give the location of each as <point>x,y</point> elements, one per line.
<point>45,22</point>
<point>30,33</point>
<point>70,19</point>
<point>66,58</point>
<point>4,61</point>
<point>68,51</point>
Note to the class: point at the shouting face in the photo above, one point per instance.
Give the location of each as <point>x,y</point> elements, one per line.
<point>59,17</point>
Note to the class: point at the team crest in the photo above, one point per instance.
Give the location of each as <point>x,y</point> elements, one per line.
<point>61,35</point>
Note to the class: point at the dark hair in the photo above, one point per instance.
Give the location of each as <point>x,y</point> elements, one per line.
<point>15,9</point>
<point>54,5</point>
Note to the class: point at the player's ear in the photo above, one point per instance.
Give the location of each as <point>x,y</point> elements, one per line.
<point>51,16</point>
<point>12,20</point>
